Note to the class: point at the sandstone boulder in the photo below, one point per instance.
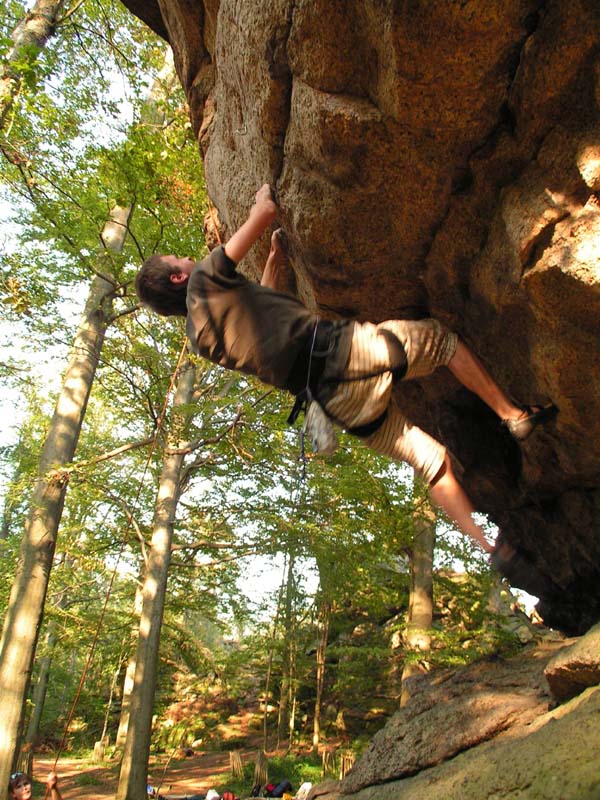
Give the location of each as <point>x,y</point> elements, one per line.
<point>442,159</point>
<point>575,668</point>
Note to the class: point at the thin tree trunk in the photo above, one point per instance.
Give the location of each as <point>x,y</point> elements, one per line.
<point>113,686</point>
<point>270,664</point>
<point>420,611</point>
<point>125,704</point>
<point>39,693</point>
<point>129,678</point>
<point>28,594</point>
<point>324,620</point>
<point>134,766</point>
<point>292,688</point>
<point>29,37</point>
<point>286,677</point>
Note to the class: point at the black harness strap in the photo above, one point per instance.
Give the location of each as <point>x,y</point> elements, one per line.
<point>398,358</point>
<point>369,428</point>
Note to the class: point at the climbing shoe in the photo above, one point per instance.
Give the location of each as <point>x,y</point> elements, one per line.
<point>524,426</point>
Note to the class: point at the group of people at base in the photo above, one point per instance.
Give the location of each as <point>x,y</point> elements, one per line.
<point>211,794</point>
<point>282,790</point>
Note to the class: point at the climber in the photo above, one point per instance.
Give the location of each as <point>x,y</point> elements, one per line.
<point>348,367</point>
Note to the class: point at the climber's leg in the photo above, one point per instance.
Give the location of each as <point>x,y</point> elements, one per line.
<point>447,493</point>
<point>469,370</point>
<point>400,440</point>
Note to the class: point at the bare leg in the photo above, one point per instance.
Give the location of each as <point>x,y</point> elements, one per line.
<point>447,493</point>
<point>469,370</point>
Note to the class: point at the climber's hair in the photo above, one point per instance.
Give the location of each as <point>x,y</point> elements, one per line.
<point>155,289</point>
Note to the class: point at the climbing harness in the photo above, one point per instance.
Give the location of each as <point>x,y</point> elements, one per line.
<point>317,422</point>
<point>317,425</point>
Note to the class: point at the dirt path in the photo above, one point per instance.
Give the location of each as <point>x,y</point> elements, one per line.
<point>86,781</point>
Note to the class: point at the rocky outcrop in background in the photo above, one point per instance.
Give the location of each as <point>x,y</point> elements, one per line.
<point>434,158</point>
<point>493,730</point>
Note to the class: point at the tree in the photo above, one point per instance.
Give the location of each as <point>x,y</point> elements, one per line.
<point>29,37</point>
<point>324,620</point>
<point>417,636</point>
<point>26,603</point>
<point>134,765</point>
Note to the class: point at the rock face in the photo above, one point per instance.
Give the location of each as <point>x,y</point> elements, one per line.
<point>451,711</point>
<point>434,158</point>
<point>492,730</point>
<point>575,668</point>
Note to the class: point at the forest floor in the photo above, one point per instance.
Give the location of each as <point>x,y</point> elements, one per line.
<point>176,775</point>
<point>85,780</point>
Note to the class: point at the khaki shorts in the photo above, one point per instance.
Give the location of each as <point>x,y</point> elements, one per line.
<point>428,345</point>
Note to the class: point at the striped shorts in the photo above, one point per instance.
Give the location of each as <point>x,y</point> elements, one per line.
<point>428,344</point>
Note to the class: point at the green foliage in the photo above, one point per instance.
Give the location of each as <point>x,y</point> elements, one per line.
<point>465,629</point>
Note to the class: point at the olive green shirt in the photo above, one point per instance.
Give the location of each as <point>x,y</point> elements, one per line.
<point>250,328</point>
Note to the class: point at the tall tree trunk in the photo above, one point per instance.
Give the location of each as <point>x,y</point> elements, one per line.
<point>29,37</point>
<point>272,644</point>
<point>129,678</point>
<point>292,685</point>
<point>283,716</point>
<point>420,610</point>
<point>324,620</point>
<point>28,594</point>
<point>113,686</point>
<point>134,766</point>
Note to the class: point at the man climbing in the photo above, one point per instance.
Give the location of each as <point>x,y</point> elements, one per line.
<point>349,367</point>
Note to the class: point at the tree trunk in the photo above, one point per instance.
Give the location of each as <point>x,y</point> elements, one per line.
<point>29,37</point>
<point>286,676</point>
<point>152,114</point>
<point>125,704</point>
<point>134,766</point>
<point>324,620</point>
<point>420,609</point>
<point>39,693</point>
<point>128,681</point>
<point>113,686</point>
<point>270,665</point>
<point>28,593</point>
